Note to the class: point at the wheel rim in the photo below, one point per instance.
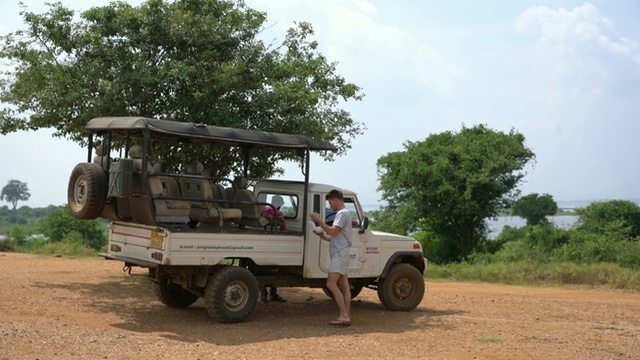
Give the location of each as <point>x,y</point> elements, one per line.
<point>80,191</point>
<point>403,288</point>
<point>236,295</point>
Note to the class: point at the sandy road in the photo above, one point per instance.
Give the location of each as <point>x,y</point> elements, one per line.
<point>59,308</point>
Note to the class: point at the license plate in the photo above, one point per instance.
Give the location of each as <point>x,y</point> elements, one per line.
<point>157,240</point>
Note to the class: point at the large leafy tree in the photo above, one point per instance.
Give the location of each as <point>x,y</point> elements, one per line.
<point>15,191</point>
<point>451,182</point>
<point>535,208</point>
<point>199,61</point>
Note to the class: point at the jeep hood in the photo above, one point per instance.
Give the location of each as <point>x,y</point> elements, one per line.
<point>392,237</point>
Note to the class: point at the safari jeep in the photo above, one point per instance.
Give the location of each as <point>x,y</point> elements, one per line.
<point>223,239</point>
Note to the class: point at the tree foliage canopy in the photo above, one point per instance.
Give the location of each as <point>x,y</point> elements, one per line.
<point>199,61</point>
<point>535,208</point>
<point>597,217</point>
<point>15,191</point>
<point>450,183</point>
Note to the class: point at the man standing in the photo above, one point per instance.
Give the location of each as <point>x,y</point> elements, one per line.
<point>340,235</point>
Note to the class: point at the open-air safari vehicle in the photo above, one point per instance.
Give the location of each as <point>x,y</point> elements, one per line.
<point>220,238</point>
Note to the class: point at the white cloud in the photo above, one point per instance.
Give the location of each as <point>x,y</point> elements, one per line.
<point>584,79</point>
<point>578,53</point>
<point>353,33</point>
<point>575,31</point>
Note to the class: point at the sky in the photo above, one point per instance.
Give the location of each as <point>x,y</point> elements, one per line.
<point>565,74</point>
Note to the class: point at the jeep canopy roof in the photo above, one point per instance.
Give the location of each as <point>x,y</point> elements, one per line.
<point>200,133</point>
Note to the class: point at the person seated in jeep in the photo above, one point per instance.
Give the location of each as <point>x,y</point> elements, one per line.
<point>271,294</point>
<point>277,215</point>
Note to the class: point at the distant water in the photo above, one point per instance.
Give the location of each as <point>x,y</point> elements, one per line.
<point>496,226</point>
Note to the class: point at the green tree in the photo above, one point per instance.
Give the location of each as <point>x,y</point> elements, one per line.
<point>450,183</point>
<point>535,208</point>
<point>15,191</point>
<point>197,61</point>
<point>597,217</point>
<point>60,225</point>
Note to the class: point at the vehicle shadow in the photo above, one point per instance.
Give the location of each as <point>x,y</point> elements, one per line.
<point>305,314</point>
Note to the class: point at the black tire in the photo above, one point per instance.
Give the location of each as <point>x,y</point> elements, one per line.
<point>355,290</point>
<point>172,297</point>
<point>402,289</point>
<point>231,294</point>
<point>87,191</point>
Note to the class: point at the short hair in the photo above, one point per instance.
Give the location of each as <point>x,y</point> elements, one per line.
<point>335,193</point>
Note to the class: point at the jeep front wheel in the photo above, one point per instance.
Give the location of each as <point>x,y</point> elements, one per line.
<point>402,289</point>
<point>87,191</point>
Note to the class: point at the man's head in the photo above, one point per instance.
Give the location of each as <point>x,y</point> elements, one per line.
<point>335,193</point>
<point>335,199</point>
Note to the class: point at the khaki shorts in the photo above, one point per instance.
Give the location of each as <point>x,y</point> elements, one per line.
<point>340,262</point>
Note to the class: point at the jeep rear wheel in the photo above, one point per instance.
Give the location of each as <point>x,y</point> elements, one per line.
<point>231,294</point>
<point>402,289</point>
<point>87,191</point>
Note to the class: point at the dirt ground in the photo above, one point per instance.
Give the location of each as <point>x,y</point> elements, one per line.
<point>61,308</point>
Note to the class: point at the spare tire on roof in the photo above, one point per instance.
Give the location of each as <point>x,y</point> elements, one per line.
<point>87,191</point>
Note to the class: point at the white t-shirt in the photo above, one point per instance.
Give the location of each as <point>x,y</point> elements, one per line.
<point>342,239</point>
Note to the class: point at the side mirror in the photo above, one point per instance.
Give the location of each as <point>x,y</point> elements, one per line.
<point>365,225</point>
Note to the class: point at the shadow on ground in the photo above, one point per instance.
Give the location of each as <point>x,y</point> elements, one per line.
<point>305,314</point>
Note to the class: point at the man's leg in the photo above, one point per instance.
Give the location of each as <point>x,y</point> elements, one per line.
<point>273,295</point>
<point>332,284</point>
<point>345,289</point>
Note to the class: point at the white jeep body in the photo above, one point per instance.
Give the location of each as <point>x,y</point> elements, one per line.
<point>155,246</point>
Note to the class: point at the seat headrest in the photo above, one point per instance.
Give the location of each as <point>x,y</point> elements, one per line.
<point>101,150</point>
<point>135,152</point>
<point>277,201</point>
<point>195,168</point>
<point>240,182</point>
<point>157,167</point>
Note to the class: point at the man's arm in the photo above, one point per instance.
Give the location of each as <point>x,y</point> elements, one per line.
<point>322,235</point>
<point>331,230</point>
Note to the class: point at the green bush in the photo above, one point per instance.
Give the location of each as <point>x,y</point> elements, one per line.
<point>544,243</point>
<point>58,225</point>
<point>488,247</point>
<point>66,247</point>
<point>599,215</point>
<point>546,237</point>
<point>435,249</point>
<point>612,246</point>
<point>7,245</point>
<point>33,245</point>
<point>17,234</point>
<point>528,273</point>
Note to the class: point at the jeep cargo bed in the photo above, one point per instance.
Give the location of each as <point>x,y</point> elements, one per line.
<point>148,245</point>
